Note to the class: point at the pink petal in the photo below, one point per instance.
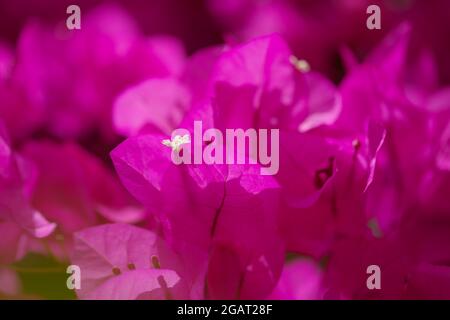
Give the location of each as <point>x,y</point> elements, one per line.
<point>159,102</point>
<point>100,250</point>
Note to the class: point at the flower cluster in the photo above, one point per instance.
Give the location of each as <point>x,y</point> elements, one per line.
<point>363,117</point>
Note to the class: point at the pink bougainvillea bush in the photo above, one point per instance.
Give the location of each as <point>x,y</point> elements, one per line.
<point>119,180</point>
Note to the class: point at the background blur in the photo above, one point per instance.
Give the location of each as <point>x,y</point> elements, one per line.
<point>325,25</point>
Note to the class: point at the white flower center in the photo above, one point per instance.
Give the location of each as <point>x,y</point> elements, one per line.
<point>177,141</point>
<point>300,64</point>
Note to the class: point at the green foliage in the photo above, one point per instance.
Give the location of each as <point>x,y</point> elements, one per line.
<point>43,277</point>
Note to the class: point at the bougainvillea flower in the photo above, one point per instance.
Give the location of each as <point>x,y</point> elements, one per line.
<point>331,199</point>
<point>413,114</point>
<point>247,76</point>
<point>119,261</point>
<point>275,89</point>
<point>373,90</point>
<point>75,189</point>
<point>258,85</point>
<point>18,220</point>
<point>226,212</point>
<point>162,103</point>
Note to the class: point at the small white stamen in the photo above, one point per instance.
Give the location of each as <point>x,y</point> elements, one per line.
<point>300,64</point>
<point>177,141</point>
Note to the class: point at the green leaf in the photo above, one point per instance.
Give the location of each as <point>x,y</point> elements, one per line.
<point>43,277</point>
